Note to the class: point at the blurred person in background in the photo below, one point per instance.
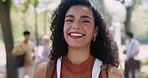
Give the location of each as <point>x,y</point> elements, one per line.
<point>132,49</point>
<point>82,45</point>
<point>26,47</point>
<point>46,48</point>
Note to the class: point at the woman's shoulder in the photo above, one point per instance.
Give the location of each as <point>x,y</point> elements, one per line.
<point>40,71</point>
<point>114,72</point>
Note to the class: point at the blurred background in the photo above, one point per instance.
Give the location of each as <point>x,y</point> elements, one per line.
<point>121,16</point>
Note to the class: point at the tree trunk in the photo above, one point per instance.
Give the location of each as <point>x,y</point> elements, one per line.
<point>36,27</point>
<point>8,38</point>
<point>129,10</point>
<point>45,22</point>
<point>127,22</point>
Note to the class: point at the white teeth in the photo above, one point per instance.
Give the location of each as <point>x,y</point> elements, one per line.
<point>76,34</point>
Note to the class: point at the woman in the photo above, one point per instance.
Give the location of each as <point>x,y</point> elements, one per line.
<point>82,46</point>
<point>46,48</point>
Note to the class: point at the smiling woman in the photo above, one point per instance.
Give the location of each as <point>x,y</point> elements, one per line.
<point>82,46</point>
<point>79,28</point>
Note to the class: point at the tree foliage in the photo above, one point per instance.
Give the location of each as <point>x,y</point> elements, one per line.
<point>138,21</point>
<point>21,15</point>
<point>100,5</point>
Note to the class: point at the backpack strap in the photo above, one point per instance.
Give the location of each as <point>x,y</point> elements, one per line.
<point>50,68</point>
<point>104,71</point>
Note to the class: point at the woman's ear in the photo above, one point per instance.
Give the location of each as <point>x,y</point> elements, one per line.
<point>96,30</point>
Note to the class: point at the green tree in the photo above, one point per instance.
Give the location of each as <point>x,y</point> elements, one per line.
<point>100,4</point>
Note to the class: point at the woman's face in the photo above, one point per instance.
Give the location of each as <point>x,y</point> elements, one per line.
<point>44,41</point>
<point>79,26</point>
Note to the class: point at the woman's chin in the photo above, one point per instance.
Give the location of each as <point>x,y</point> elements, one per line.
<point>75,46</point>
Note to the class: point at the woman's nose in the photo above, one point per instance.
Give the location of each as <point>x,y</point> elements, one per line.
<point>76,25</point>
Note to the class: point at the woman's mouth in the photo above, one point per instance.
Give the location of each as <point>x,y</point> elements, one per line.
<point>76,35</point>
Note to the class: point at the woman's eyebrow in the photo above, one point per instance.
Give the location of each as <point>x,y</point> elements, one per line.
<point>69,16</point>
<point>85,16</point>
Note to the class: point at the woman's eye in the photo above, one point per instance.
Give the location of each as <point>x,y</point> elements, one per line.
<point>85,21</point>
<point>69,20</point>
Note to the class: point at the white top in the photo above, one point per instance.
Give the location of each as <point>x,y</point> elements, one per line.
<point>45,53</point>
<point>132,47</point>
<point>95,71</point>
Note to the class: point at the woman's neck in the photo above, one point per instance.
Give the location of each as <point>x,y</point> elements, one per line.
<point>78,56</point>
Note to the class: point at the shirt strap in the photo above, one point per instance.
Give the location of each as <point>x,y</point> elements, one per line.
<point>96,68</point>
<point>59,67</point>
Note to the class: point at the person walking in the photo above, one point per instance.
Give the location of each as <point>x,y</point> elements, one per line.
<point>25,48</point>
<point>132,49</point>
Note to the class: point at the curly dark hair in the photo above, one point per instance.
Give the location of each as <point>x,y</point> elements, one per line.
<point>104,47</point>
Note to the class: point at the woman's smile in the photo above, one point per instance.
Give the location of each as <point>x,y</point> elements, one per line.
<point>76,35</point>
